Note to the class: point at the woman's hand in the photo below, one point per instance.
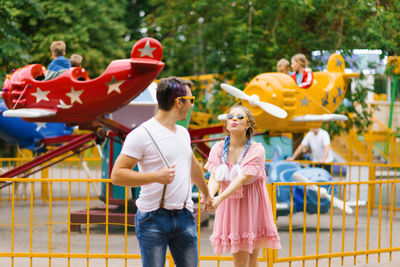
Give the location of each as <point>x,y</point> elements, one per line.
<point>215,203</point>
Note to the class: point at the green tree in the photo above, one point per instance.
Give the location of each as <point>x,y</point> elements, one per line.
<point>90,28</point>
<point>357,111</point>
<point>94,29</point>
<point>18,20</point>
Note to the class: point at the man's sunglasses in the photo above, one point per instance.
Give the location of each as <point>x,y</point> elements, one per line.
<point>238,116</point>
<point>191,98</point>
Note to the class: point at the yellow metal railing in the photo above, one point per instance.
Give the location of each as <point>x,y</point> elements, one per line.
<point>37,234</point>
<point>71,167</point>
<point>325,250</point>
<point>86,247</point>
<point>383,142</point>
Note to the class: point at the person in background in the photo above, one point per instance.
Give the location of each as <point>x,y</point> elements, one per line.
<point>243,218</point>
<point>165,207</point>
<point>76,60</point>
<point>320,145</point>
<point>283,65</point>
<point>59,63</point>
<point>301,74</point>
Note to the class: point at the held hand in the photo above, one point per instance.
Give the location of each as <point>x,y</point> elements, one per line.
<point>215,203</point>
<point>289,158</point>
<point>166,175</point>
<point>207,202</point>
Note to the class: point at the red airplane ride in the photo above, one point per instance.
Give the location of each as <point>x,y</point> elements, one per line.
<point>73,97</point>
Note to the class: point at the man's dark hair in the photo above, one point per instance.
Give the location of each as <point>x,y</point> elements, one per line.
<point>170,88</point>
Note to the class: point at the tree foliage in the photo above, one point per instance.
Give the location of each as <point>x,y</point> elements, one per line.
<point>90,28</point>
<point>355,107</point>
<point>202,36</point>
<point>17,20</point>
<point>242,38</point>
<point>248,37</point>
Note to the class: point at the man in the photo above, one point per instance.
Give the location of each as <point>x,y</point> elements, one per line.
<point>164,219</point>
<point>319,142</point>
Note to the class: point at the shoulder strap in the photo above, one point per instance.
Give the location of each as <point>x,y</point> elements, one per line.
<point>165,161</point>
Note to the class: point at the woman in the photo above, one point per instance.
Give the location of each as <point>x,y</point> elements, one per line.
<point>243,218</point>
<point>302,75</point>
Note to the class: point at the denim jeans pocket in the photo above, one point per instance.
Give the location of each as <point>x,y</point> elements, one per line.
<point>191,214</point>
<point>143,216</point>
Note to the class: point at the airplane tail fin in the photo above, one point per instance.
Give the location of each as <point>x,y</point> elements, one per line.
<point>336,63</point>
<point>147,48</point>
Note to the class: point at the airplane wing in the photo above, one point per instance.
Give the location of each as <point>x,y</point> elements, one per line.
<point>323,117</point>
<point>29,113</point>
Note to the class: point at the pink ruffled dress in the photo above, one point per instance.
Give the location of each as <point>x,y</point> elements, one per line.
<point>244,220</point>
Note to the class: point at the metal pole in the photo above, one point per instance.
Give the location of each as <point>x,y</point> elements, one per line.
<point>392,100</point>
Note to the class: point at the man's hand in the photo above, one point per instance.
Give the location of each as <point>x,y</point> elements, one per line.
<point>215,203</point>
<point>165,175</point>
<point>207,202</point>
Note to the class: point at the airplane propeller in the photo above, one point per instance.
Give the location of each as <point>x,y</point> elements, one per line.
<point>255,101</point>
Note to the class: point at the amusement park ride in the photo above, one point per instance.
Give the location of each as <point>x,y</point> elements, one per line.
<point>73,98</point>
<point>280,106</point>
<point>296,109</point>
<point>68,99</point>
<point>276,102</point>
<point>29,135</point>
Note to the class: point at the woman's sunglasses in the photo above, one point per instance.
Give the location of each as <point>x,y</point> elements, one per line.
<point>191,98</point>
<point>238,116</point>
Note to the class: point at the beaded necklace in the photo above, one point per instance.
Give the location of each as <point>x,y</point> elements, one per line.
<point>224,156</point>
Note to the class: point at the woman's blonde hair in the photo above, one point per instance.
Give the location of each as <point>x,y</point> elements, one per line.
<point>250,129</point>
<point>301,59</point>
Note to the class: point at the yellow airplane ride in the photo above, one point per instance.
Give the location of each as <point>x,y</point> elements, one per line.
<point>280,106</point>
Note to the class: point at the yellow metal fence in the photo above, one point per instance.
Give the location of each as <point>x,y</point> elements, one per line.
<point>336,234</point>
<point>37,233</point>
<point>69,168</point>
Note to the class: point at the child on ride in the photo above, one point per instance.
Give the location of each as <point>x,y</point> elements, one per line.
<point>283,65</point>
<point>76,60</point>
<point>302,74</point>
<point>59,62</point>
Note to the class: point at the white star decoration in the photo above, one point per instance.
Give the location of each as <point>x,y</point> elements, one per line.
<point>41,95</point>
<point>40,125</point>
<point>147,50</point>
<point>114,86</point>
<point>74,95</point>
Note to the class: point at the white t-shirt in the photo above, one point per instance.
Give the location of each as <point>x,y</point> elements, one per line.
<point>317,144</point>
<point>176,148</point>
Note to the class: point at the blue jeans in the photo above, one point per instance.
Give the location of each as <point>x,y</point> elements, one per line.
<point>158,229</point>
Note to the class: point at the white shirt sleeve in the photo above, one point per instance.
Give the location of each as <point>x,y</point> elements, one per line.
<point>134,144</point>
<point>326,140</point>
<point>306,139</point>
